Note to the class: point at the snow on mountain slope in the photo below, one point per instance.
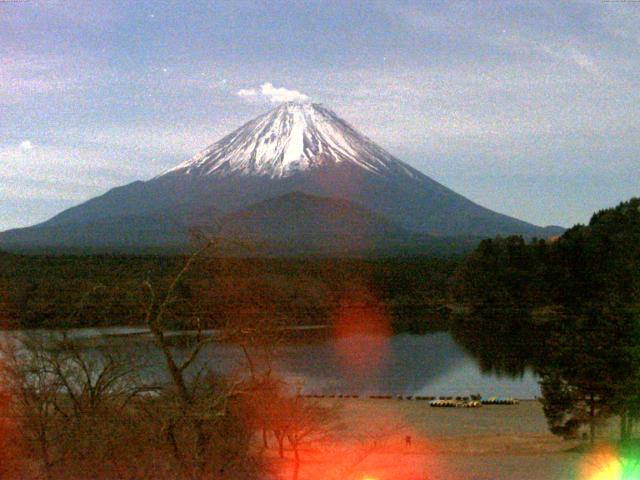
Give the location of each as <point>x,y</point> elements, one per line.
<point>292,138</point>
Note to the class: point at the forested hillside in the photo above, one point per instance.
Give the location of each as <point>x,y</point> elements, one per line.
<point>75,291</point>
<point>570,310</point>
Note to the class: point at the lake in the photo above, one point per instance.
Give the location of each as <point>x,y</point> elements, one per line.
<point>432,364</point>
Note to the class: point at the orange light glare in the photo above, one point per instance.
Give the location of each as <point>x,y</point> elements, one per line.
<point>364,327</point>
<point>604,464</point>
<point>611,471</point>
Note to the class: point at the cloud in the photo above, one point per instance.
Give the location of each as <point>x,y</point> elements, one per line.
<point>26,146</point>
<point>247,92</point>
<point>273,94</point>
<point>151,140</point>
<point>30,76</point>
<point>65,172</point>
<point>281,94</point>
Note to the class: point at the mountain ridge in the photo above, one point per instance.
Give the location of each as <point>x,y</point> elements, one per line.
<point>303,148</point>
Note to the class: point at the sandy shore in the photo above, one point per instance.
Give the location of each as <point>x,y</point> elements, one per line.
<point>408,440</point>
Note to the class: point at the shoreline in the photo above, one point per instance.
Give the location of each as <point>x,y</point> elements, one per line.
<point>410,440</point>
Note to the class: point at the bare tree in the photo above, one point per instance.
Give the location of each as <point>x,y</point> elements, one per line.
<point>155,317</point>
<point>297,421</point>
<point>34,391</point>
<point>197,408</point>
<point>309,422</point>
<point>63,397</point>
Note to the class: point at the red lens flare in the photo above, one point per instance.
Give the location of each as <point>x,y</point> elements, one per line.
<point>362,328</point>
<point>378,445</point>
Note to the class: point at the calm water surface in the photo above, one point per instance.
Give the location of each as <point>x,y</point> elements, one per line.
<point>405,364</point>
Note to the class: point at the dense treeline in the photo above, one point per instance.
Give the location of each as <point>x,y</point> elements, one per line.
<point>570,309</point>
<point>506,273</point>
<point>588,265</point>
<point>72,291</point>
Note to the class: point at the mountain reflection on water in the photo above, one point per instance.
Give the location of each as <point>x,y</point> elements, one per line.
<point>433,364</point>
<point>440,363</point>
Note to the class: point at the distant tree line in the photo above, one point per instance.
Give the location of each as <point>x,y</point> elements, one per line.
<point>81,291</point>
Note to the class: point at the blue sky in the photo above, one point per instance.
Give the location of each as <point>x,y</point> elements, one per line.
<point>528,108</point>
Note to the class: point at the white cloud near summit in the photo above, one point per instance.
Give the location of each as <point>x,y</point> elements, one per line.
<point>26,146</point>
<point>247,92</point>
<point>273,94</point>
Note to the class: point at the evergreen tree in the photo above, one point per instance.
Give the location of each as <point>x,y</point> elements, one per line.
<point>590,371</point>
<point>593,364</point>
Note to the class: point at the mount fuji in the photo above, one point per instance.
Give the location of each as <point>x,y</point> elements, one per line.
<point>298,177</point>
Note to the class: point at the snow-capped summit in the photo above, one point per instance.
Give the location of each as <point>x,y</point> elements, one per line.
<point>291,138</point>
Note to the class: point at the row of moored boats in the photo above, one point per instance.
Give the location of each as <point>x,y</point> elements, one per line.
<point>472,401</point>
